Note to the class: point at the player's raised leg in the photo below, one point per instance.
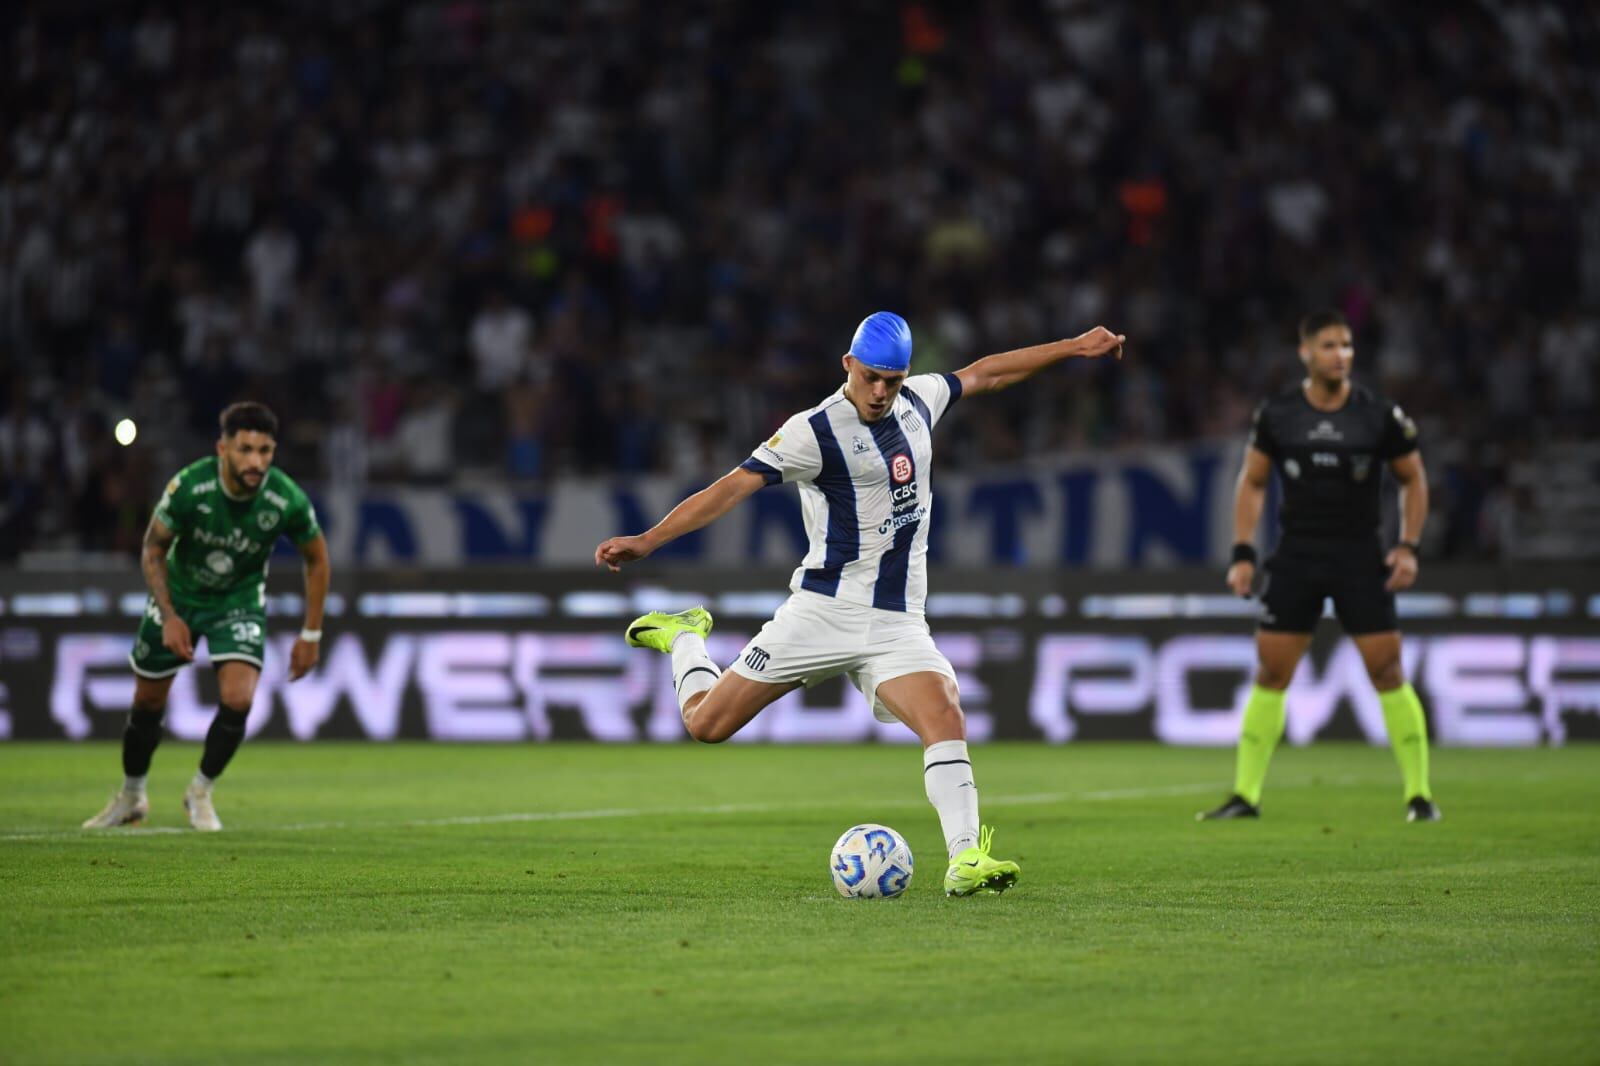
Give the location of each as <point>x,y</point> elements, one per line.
<point>140,738</point>
<point>237,682</point>
<point>714,705</point>
<point>1403,718</point>
<point>930,704</point>
<point>1277,655</point>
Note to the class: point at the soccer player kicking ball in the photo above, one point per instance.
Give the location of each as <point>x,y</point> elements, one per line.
<point>1329,440</point>
<point>863,460</point>
<point>205,560</point>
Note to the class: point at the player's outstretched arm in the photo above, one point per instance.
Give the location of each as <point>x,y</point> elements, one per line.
<point>699,510</point>
<point>153,561</point>
<point>1249,496</point>
<point>1402,558</point>
<point>319,569</point>
<point>1003,370</point>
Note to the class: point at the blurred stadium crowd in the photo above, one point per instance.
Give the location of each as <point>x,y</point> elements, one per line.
<point>468,239</point>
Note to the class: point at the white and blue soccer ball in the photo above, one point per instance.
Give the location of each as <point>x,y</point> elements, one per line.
<point>870,862</point>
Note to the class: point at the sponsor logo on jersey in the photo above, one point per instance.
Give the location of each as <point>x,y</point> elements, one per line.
<point>172,486</point>
<point>902,518</point>
<point>773,441</point>
<point>280,502</point>
<point>203,487</point>
<point>220,562</point>
<point>1325,431</point>
<point>900,468</point>
<point>1407,426</point>
<point>267,519</point>
<point>234,541</point>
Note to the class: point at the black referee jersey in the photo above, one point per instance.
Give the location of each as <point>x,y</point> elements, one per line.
<point>1330,465</point>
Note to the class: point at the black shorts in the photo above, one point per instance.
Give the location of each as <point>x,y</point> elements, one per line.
<point>1300,578</point>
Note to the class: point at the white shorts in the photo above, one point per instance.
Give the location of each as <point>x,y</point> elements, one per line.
<point>815,637</point>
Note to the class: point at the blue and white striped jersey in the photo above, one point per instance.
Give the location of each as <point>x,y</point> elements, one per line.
<point>866,492</point>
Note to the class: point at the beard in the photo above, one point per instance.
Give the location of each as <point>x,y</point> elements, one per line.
<point>241,478</point>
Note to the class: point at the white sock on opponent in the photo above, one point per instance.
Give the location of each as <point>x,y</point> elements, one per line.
<point>947,775</point>
<point>133,786</point>
<point>692,669</point>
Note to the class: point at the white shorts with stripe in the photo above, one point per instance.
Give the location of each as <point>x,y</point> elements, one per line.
<point>814,637</point>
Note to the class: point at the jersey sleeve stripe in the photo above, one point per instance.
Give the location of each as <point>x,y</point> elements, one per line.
<point>889,593</point>
<point>844,530</point>
<point>921,408</point>
<point>771,475</point>
<point>955,389</point>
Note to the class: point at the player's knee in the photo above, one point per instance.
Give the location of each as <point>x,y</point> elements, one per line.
<point>704,723</point>
<point>708,729</point>
<point>1271,676</point>
<point>237,694</point>
<point>947,722</point>
<point>149,706</point>
<point>1386,674</point>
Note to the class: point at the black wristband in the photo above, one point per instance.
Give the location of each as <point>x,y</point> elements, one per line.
<point>1411,546</point>
<point>1244,553</point>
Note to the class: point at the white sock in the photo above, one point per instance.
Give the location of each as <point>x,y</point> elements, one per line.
<point>947,775</point>
<point>133,786</point>
<point>692,669</point>
<point>201,782</point>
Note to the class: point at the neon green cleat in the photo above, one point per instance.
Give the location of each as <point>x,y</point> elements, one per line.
<point>657,629</point>
<point>973,871</point>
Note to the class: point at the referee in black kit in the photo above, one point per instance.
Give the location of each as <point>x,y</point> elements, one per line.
<point>1329,440</point>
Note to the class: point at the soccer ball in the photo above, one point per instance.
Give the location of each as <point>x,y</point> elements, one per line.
<point>870,862</point>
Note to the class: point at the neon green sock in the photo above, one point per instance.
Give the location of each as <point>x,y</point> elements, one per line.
<point>1408,736</point>
<point>1263,725</point>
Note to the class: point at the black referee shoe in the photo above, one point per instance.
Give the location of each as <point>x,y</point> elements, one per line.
<point>1235,807</point>
<point>1422,810</point>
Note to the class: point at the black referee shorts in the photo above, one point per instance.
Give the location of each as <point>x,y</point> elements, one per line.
<point>1300,578</point>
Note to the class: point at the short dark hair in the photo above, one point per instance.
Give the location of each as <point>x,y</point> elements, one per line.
<point>1317,321</point>
<point>248,416</point>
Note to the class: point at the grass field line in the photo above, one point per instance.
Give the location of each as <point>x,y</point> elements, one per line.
<point>1020,800</point>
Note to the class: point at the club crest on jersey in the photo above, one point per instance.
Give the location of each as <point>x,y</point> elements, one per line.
<point>900,468</point>
<point>267,519</point>
<point>1325,431</point>
<point>859,446</point>
<point>1359,466</point>
<point>911,421</point>
<point>1291,467</point>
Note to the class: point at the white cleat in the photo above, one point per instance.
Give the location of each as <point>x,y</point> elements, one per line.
<point>202,815</point>
<point>125,808</point>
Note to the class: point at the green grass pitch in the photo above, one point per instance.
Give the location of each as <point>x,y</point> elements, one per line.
<point>591,904</point>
